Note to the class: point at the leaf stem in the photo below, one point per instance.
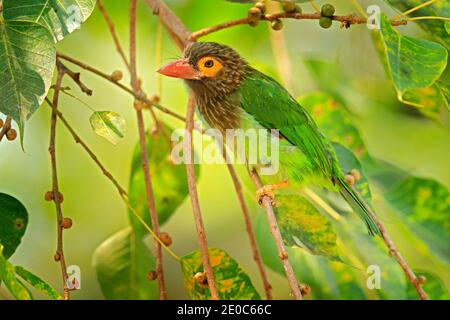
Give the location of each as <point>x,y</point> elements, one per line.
<point>420,6</point>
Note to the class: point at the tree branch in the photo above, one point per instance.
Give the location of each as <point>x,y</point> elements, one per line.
<point>345,20</point>
<point>267,204</point>
<point>189,159</point>
<point>177,30</point>
<point>137,95</point>
<point>393,250</point>
<point>144,153</point>
<point>112,30</point>
<point>57,196</point>
<point>249,228</point>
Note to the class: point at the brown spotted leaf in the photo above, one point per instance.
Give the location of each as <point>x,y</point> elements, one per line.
<point>233,283</point>
<point>13,223</point>
<point>302,225</point>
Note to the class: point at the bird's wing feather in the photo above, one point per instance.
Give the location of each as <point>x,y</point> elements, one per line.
<point>274,108</point>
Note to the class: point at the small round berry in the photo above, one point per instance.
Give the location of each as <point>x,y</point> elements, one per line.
<point>66,223</point>
<point>11,134</point>
<point>356,174</point>
<point>350,179</point>
<point>152,275</point>
<point>254,14</point>
<point>261,6</point>
<point>117,75</point>
<point>277,25</point>
<point>325,22</point>
<point>421,279</point>
<point>165,238</point>
<point>1,123</point>
<point>289,7</point>
<point>155,99</point>
<point>57,257</point>
<point>60,197</point>
<point>48,196</point>
<point>328,10</point>
<point>305,289</point>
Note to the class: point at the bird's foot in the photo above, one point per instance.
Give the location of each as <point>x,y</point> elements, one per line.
<point>269,191</point>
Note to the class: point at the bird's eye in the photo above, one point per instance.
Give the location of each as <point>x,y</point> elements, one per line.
<point>209,63</point>
<point>209,66</point>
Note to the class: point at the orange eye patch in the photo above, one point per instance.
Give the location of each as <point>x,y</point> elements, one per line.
<point>209,66</point>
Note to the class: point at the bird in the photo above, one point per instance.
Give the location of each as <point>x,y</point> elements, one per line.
<point>231,94</point>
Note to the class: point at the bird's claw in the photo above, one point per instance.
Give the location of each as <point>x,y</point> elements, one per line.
<point>269,191</point>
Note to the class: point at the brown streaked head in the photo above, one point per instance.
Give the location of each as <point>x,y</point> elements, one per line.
<point>210,69</point>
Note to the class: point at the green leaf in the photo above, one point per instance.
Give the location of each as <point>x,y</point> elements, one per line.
<point>431,99</point>
<point>334,120</point>
<point>13,223</point>
<point>122,263</point>
<point>425,205</point>
<point>37,282</point>
<point>406,56</point>
<point>231,280</point>
<point>27,60</point>
<point>433,286</point>
<point>445,89</point>
<point>61,17</point>
<point>8,276</point>
<point>302,225</point>
<point>169,179</point>
<point>109,125</point>
<point>435,27</point>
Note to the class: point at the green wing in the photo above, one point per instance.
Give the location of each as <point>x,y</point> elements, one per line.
<point>274,108</point>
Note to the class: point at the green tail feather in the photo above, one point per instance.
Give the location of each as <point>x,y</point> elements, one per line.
<point>359,206</point>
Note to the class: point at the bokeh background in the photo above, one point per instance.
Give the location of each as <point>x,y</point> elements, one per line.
<point>391,131</point>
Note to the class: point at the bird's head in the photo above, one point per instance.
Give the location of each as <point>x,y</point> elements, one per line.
<point>209,68</point>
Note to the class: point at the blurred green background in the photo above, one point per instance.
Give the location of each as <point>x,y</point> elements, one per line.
<point>391,131</point>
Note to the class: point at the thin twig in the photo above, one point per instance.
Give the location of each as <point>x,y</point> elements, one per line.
<point>348,20</point>
<point>123,194</point>
<point>393,250</point>
<point>189,158</point>
<point>6,127</point>
<point>275,231</point>
<point>138,95</point>
<point>112,30</point>
<point>57,196</point>
<point>248,226</point>
<point>144,153</point>
<point>75,76</point>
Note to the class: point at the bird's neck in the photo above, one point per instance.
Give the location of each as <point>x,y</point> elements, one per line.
<point>220,112</point>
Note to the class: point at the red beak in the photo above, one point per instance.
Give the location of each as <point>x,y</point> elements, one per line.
<point>180,69</point>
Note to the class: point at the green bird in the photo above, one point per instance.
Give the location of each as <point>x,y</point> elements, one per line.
<point>230,94</point>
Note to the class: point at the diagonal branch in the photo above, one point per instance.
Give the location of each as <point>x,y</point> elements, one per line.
<point>189,159</point>
<point>275,231</point>
<point>248,226</point>
<point>393,250</point>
